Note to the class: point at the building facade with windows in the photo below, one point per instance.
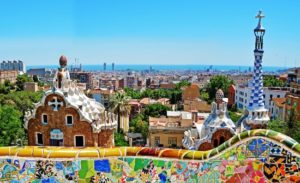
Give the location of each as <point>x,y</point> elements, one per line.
<point>13,66</point>
<point>67,117</point>
<point>82,77</point>
<point>168,131</point>
<point>293,101</point>
<point>9,76</point>
<point>243,95</point>
<point>31,86</point>
<point>102,96</point>
<point>131,80</point>
<point>231,95</point>
<point>277,109</point>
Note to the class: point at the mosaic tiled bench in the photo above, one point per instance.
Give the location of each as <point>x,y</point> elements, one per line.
<point>253,156</point>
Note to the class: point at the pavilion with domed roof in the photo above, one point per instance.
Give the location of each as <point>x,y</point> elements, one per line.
<point>215,130</point>
<point>65,116</point>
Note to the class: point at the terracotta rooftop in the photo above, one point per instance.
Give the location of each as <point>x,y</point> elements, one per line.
<point>279,102</point>
<point>191,92</point>
<point>147,101</point>
<point>163,100</point>
<point>167,85</point>
<point>134,102</point>
<point>99,91</point>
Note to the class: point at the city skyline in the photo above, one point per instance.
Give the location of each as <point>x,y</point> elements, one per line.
<point>169,32</point>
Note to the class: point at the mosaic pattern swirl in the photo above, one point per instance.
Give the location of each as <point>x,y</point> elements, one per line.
<point>254,156</point>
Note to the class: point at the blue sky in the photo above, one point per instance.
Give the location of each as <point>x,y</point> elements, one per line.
<point>148,31</point>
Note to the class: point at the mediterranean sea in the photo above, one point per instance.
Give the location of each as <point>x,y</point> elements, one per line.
<point>166,67</point>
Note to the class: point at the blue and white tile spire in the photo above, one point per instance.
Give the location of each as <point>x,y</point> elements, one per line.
<point>256,115</point>
<point>257,100</point>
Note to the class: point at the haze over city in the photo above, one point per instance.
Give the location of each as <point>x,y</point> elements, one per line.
<point>152,32</point>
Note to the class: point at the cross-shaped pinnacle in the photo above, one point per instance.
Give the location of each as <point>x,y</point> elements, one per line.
<point>56,104</point>
<point>260,15</point>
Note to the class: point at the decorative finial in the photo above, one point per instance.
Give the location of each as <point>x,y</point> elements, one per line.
<point>260,15</point>
<point>63,61</point>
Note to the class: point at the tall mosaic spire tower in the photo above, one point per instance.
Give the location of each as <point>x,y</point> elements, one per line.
<point>256,115</point>
<point>256,100</point>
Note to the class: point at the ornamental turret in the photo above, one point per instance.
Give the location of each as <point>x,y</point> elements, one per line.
<point>62,77</point>
<point>216,129</point>
<point>256,100</point>
<point>259,32</point>
<point>256,115</point>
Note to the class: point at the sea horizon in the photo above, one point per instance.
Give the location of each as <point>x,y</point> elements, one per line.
<point>163,67</point>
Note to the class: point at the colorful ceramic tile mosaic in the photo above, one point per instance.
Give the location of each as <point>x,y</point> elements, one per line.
<point>257,156</point>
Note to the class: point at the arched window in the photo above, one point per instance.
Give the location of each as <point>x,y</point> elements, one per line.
<point>216,143</point>
<point>222,140</point>
<point>44,119</point>
<point>69,120</point>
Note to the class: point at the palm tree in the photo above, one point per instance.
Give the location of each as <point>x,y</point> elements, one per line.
<point>119,104</point>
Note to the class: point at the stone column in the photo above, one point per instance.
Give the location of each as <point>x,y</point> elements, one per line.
<point>95,139</point>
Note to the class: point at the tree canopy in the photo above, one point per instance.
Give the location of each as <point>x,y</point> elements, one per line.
<point>182,84</point>
<point>119,139</point>
<point>13,104</point>
<point>21,79</point>
<point>11,128</point>
<point>290,127</point>
<point>119,104</point>
<point>140,123</point>
<point>218,82</point>
<point>272,81</point>
<point>22,100</point>
<point>155,110</point>
<point>235,116</point>
<point>173,94</point>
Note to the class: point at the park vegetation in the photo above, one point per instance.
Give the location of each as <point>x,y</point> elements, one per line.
<point>216,82</point>
<point>173,94</point>
<point>13,104</point>
<point>290,127</point>
<point>272,81</point>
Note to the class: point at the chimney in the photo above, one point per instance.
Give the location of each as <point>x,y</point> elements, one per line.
<point>194,116</point>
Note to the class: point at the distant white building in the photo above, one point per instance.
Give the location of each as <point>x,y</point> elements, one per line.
<point>13,65</point>
<point>277,108</point>
<point>243,93</point>
<point>131,80</point>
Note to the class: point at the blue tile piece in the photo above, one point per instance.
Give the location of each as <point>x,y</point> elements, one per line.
<point>102,165</point>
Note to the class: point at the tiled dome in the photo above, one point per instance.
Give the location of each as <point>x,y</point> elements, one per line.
<point>219,95</point>
<point>63,61</point>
